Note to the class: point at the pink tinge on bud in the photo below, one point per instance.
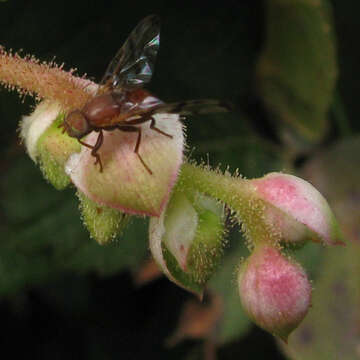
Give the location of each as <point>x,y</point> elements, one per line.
<point>274,291</point>
<point>125,183</point>
<point>302,203</point>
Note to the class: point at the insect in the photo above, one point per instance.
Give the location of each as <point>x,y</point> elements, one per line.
<point>122,103</point>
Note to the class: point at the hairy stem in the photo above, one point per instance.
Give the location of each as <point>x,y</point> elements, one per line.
<point>44,80</point>
<point>238,193</point>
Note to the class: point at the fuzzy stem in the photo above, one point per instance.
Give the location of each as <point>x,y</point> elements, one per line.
<point>231,190</point>
<point>46,81</point>
<point>239,194</point>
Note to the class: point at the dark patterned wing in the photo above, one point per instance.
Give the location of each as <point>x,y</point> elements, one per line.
<point>133,65</point>
<point>194,107</point>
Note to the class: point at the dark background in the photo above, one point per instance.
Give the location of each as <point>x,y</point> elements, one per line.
<point>86,308</point>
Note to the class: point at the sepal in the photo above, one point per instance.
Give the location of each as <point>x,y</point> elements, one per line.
<point>104,224</point>
<point>187,239</point>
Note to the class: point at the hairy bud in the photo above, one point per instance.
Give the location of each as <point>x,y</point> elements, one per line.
<point>274,291</point>
<point>296,210</point>
<point>187,240</point>
<point>125,184</point>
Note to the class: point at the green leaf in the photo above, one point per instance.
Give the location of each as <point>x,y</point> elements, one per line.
<point>235,322</point>
<point>336,173</point>
<point>243,150</point>
<point>329,329</point>
<point>42,239</point>
<point>297,69</point>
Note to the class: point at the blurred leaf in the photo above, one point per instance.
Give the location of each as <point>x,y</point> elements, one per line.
<point>331,329</point>
<point>198,320</point>
<point>42,234</point>
<point>347,27</point>
<point>310,256</point>
<point>336,173</point>
<point>243,149</point>
<point>253,156</point>
<point>297,69</point>
<point>209,55</point>
<point>235,322</point>
<point>148,271</point>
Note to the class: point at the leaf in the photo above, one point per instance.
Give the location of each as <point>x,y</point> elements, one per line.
<point>147,272</point>
<point>244,150</point>
<point>235,322</point>
<point>42,239</point>
<point>336,173</point>
<point>198,320</point>
<point>331,328</point>
<point>297,69</point>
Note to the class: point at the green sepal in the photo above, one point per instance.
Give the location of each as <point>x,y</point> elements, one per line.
<point>53,150</point>
<point>182,278</point>
<point>104,224</point>
<point>207,248</point>
<point>191,234</point>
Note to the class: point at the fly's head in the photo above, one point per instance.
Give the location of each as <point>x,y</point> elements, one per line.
<point>76,125</point>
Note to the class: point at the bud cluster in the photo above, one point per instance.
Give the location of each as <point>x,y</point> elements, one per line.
<point>185,202</point>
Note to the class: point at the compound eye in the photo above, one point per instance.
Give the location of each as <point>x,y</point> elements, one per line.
<point>76,124</point>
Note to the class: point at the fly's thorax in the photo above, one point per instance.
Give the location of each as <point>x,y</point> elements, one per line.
<point>76,124</point>
<point>102,108</point>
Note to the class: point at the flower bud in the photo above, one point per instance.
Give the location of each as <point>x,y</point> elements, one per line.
<point>187,240</point>
<point>296,209</point>
<point>125,184</point>
<point>274,291</point>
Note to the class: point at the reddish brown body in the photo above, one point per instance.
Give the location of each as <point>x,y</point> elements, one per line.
<point>115,108</point>
<point>121,110</point>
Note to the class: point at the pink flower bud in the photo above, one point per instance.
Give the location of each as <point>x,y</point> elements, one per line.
<point>274,291</point>
<point>296,209</point>
<point>125,184</point>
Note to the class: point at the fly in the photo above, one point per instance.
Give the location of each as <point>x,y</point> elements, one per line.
<point>122,103</point>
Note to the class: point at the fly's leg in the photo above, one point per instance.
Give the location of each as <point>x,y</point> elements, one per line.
<point>62,126</point>
<point>95,148</point>
<point>152,124</point>
<point>129,128</point>
<point>99,142</point>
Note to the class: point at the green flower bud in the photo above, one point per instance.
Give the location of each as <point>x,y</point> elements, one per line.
<point>187,240</point>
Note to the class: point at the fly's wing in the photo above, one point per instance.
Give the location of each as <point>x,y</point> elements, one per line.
<point>194,107</point>
<point>133,65</point>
